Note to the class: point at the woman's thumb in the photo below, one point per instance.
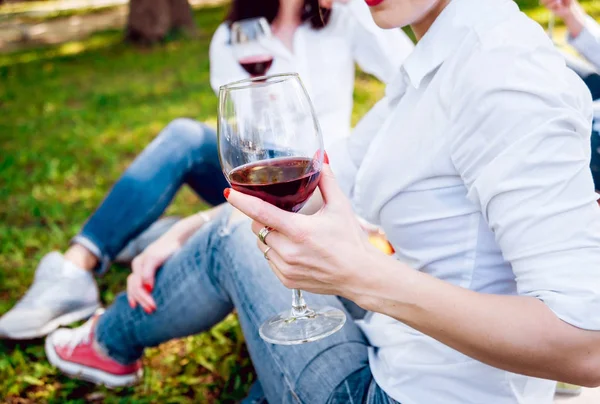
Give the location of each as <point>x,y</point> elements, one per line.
<point>331,191</point>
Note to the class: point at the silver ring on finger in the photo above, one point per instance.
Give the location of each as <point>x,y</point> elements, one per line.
<point>263,233</point>
<point>266,253</point>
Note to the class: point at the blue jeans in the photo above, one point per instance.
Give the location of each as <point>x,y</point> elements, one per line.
<point>593,83</point>
<point>595,161</point>
<point>220,269</point>
<point>185,152</point>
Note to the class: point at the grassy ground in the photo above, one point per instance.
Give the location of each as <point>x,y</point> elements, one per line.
<point>71,119</point>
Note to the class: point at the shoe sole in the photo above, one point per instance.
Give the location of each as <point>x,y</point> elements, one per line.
<point>87,373</point>
<point>65,319</point>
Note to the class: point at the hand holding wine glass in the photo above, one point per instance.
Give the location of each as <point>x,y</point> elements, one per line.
<point>326,253</point>
<point>271,148</point>
<point>248,38</point>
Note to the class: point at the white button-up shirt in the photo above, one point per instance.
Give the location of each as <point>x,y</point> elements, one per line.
<point>476,165</point>
<point>325,60</point>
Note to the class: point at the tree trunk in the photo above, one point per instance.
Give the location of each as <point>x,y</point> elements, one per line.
<point>181,15</point>
<point>150,21</point>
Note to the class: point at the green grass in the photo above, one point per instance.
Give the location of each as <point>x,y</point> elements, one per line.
<point>72,117</point>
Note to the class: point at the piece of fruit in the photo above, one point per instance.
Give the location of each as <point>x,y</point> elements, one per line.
<point>381,243</point>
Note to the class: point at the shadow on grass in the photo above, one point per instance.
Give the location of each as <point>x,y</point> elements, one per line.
<point>9,346</point>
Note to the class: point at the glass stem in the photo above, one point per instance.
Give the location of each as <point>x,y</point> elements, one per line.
<point>299,308</point>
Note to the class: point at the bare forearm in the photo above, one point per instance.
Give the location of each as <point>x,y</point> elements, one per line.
<point>185,228</point>
<point>518,334</point>
<point>575,21</point>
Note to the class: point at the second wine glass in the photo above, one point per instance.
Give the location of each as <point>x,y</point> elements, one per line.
<point>249,39</point>
<point>271,147</point>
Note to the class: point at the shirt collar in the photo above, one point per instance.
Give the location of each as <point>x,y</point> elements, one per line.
<point>278,49</point>
<point>445,35</point>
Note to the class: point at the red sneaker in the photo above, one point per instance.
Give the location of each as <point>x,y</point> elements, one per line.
<point>73,352</point>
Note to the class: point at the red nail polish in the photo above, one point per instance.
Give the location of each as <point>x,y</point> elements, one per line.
<point>226,192</point>
<point>326,158</point>
<point>131,305</point>
<point>148,288</point>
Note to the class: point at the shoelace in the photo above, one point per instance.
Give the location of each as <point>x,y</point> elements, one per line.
<point>78,336</point>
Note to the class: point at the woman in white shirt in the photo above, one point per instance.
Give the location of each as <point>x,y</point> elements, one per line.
<point>323,56</point>
<point>321,44</point>
<point>476,166</point>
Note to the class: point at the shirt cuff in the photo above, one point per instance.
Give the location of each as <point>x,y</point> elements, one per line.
<point>568,282</point>
<point>587,40</point>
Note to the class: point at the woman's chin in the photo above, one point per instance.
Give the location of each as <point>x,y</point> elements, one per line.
<point>401,13</point>
<point>385,21</point>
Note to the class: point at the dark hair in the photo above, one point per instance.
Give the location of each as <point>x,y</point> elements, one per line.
<point>242,9</point>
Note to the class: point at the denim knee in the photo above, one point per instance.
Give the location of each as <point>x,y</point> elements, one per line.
<point>186,132</point>
<point>190,140</point>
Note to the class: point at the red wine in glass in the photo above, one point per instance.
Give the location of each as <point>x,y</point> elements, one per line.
<point>257,65</point>
<point>286,182</point>
<point>271,147</point>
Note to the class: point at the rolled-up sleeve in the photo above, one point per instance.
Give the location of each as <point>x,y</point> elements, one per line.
<point>588,42</point>
<point>525,162</point>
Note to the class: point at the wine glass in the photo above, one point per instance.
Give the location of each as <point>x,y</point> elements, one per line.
<point>271,147</point>
<point>248,38</point>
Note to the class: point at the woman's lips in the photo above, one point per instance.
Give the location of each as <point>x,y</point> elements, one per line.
<point>373,3</point>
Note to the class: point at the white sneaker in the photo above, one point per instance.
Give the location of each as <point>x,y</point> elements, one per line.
<point>139,244</point>
<point>61,294</point>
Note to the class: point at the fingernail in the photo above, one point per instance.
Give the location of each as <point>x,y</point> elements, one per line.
<point>148,311</point>
<point>131,305</point>
<point>326,158</point>
<point>148,288</point>
<point>226,192</point>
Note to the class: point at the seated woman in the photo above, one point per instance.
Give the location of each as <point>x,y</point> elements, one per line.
<point>321,45</point>
<point>476,166</point>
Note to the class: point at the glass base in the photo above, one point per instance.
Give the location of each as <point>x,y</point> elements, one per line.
<point>283,329</point>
